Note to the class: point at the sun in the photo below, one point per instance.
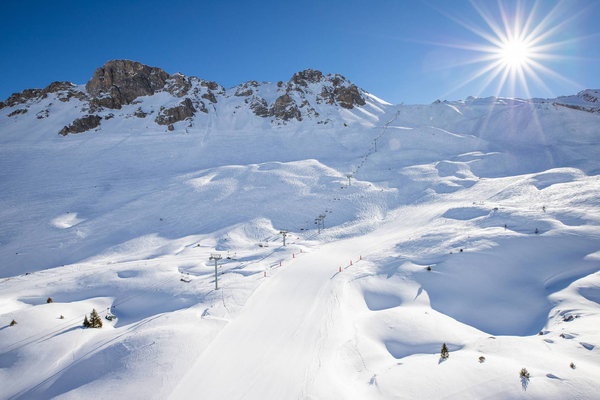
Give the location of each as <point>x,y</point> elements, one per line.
<point>515,53</point>
<point>517,45</point>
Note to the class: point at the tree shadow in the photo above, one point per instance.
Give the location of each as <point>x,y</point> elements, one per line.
<point>524,383</point>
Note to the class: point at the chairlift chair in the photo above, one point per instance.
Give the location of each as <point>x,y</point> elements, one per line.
<point>109,316</point>
<point>185,278</point>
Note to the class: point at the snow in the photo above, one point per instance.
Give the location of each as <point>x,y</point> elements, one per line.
<point>112,219</point>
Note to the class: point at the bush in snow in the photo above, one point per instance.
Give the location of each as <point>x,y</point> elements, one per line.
<point>428,268</point>
<point>524,373</point>
<point>482,359</point>
<point>572,366</point>
<point>536,230</point>
<point>95,320</point>
<point>445,353</point>
<point>460,251</point>
<point>49,300</point>
<point>62,317</point>
<point>13,322</point>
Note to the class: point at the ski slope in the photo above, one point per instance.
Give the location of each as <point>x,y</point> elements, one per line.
<point>113,219</point>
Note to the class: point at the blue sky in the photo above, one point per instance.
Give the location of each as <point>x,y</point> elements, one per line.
<point>384,47</point>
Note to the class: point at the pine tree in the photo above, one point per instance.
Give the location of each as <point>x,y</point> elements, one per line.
<point>524,373</point>
<point>13,322</point>
<point>445,353</point>
<point>86,322</point>
<point>49,300</point>
<point>95,320</point>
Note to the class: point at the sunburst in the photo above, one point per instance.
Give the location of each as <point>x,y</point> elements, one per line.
<point>517,50</point>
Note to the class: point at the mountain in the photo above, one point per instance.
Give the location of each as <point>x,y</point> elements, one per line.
<point>471,223</point>
<point>124,89</point>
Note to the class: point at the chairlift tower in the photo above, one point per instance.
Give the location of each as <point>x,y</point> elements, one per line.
<point>349,176</point>
<point>376,145</point>
<point>284,234</point>
<point>216,257</point>
<point>318,222</point>
<point>322,218</point>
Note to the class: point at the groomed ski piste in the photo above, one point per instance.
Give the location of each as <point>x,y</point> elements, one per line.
<point>472,223</point>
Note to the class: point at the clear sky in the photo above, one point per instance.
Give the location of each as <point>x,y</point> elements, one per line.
<point>385,47</point>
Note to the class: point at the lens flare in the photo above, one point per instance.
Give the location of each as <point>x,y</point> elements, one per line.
<point>517,47</point>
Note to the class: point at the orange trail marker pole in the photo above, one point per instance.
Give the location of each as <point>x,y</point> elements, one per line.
<point>293,255</point>
<point>340,269</point>
<point>350,262</point>
<point>265,274</point>
<point>280,263</point>
<point>300,250</point>
<point>361,257</point>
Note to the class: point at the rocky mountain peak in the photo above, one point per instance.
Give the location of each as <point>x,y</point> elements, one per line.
<point>308,75</point>
<point>589,95</point>
<point>119,82</point>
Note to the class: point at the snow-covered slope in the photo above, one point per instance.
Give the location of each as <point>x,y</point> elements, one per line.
<point>473,223</point>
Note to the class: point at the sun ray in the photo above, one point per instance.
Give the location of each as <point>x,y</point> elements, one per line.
<point>481,72</point>
<point>507,28</point>
<point>544,21</point>
<point>473,29</point>
<point>489,21</point>
<point>555,45</point>
<point>490,78</point>
<point>538,80</point>
<point>529,20</point>
<point>468,62</point>
<point>549,72</point>
<point>556,28</point>
<point>560,57</point>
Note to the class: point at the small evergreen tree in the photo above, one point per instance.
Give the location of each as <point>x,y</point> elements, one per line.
<point>481,359</point>
<point>49,300</point>
<point>95,320</point>
<point>536,230</point>
<point>572,366</point>
<point>524,373</point>
<point>445,353</point>
<point>86,322</point>
<point>13,322</point>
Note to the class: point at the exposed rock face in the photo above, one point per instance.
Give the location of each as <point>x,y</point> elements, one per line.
<point>285,109</point>
<point>81,125</point>
<point>308,75</point>
<point>120,82</point>
<point>346,97</point>
<point>300,93</point>
<point>591,96</point>
<point>178,85</point>
<point>42,114</point>
<point>140,113</point>
<point>17,112</point>
<point>169,116</point>
<point>260,107</point>
<point>245,89</point>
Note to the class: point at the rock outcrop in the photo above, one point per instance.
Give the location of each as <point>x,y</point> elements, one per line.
<point>168,116</point>
<point>65,91</point>
<point>120,82</point>
<point>285,109</point>
<point>82,124</point>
